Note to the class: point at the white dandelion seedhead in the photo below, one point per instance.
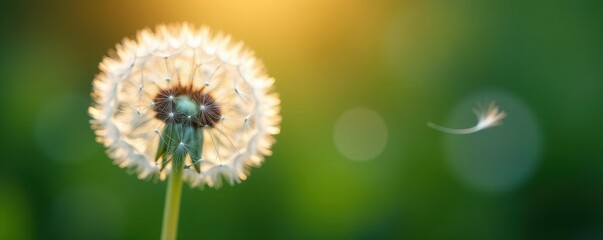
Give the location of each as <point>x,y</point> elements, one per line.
<point>487,117</point>
<point>181,97</point>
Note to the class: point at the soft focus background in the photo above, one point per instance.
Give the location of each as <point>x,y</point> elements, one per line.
<point>355,160</point>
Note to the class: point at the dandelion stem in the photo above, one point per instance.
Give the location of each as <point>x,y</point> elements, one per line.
<point>172,205</point>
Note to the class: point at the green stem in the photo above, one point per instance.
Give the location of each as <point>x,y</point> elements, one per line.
<point>172,205</point>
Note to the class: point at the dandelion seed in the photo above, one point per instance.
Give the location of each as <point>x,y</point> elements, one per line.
<point>486,118</point>
<point>188,77</point>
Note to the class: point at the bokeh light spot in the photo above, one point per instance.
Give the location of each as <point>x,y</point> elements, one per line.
<point>498,159</point>
<point>360,134</point>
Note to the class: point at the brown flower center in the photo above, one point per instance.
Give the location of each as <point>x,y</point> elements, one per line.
<point>183,105</point>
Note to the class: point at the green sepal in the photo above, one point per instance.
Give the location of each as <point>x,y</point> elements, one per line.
<point>196,149</point>
<point>169,137</point>
<point>170,150</point>
<point>197,166</point>
<point>165,140</point>
<point>178,157</point>
<point>194,141</point>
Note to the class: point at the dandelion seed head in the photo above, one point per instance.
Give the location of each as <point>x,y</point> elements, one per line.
<point>171,88</point>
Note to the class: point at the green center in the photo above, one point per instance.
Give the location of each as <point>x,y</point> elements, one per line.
<point>186,105</point>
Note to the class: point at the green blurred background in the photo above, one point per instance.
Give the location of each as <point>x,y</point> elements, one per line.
<point>358,80</point>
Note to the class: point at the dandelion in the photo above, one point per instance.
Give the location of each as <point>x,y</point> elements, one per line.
<point>182,103</point>
<point>486,118</point>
